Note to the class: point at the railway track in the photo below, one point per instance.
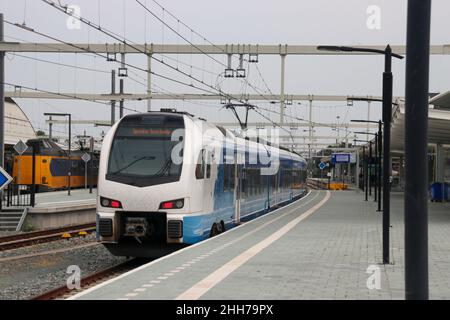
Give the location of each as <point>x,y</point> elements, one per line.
<point>63,292</point>
<point>42,236</point>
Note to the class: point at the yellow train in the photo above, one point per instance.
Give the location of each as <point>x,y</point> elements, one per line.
<point>52,167</point>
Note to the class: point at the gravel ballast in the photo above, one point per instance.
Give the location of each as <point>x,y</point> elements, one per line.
<point>27,277</point>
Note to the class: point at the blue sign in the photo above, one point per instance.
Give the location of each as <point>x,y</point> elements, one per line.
<point>340,158</point>
<point>322,166</point>
<point>5,178</point>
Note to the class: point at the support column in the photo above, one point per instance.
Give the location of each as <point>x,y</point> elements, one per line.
<point>346,145</point>
<point>282,98</point>
<point>387,117</point>
<point>50,126</point>
<point>121,103</point>
<point>149,82</point>
<point>416,149</point>
<point>440,162</point>
<point>368,119</point>
<point>357,170</point>
<point>311,128</point>
<point>113,102</point>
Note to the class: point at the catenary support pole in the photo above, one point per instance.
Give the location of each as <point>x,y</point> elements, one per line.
<point>149,82</point>
<point>113,102</point>
<point>282,98</point>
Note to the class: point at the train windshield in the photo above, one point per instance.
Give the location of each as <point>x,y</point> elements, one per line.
<point>147,150</point>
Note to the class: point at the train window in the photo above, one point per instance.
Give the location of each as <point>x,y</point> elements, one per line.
<point>142,150</point>
<point>226,177</point>
<point>232,173</point>
<point>244,183</point>
<point>208,165</point>
<point>208,171</point>
<point>200,168</point>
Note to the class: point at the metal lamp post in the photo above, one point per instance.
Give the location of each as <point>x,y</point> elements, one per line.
<point>387,117</point>
<point>376,161</point>
<point>366,170</point>
<point>379,147</point>
<point>69,173</point>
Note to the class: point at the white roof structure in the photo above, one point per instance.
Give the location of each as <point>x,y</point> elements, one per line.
<point>17,125</point>
<point>438,126</point>
<point>441,101</point>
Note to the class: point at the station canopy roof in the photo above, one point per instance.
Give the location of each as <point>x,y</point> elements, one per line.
<point>438,125</point>
<point>441,101</point>
<point>17,125</point>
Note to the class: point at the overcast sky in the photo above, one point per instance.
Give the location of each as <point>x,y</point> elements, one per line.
<point>340,22</point>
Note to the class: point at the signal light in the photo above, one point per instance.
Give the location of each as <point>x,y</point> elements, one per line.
<point>115,204</point>
<point>174,204</point>
<point>167,205</point>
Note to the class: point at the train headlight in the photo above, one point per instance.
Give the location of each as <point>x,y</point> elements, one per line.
<point>179,204</point>
<point>109,203</point>
<point>174,204</point>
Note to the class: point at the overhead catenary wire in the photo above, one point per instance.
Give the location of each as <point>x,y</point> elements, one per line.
<point>191,85</point>
<point>105,57</point>
<point>176,32</point>
<point>62,95</point>
<point>140,69</point>
<point>114,35</point>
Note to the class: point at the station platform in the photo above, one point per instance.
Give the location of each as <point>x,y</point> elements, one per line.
<point>57,209</point>
<point>60,200</point>
<point>319,247</point>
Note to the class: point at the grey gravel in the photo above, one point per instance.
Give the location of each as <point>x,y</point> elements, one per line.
<point>28,277</point>
<point>53,245</point>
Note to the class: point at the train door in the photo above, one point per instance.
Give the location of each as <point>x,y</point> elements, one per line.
<point>237,187</point>
<point>208,185</point>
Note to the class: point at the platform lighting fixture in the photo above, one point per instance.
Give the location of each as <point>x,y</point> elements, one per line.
<point>229,73</point>
<point>253,58</point>
<point>123,72</point>
<point>240,73</point>
<point>111,56</point>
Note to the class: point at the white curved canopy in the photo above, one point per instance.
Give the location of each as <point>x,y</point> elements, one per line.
<point>17,125</point>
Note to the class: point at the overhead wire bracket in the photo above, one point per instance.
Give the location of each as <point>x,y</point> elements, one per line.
<point>247,107</point>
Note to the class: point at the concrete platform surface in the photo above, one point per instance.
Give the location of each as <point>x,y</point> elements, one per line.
<point>59,200</point>
<point>324,246</point>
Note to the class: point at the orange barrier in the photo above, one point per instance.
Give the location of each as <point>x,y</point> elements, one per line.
<point>323,184</point>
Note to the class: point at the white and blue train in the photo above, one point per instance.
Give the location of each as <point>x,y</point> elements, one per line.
<point>169,179</point>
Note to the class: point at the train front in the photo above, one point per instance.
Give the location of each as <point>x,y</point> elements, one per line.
<point>142,188</point>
